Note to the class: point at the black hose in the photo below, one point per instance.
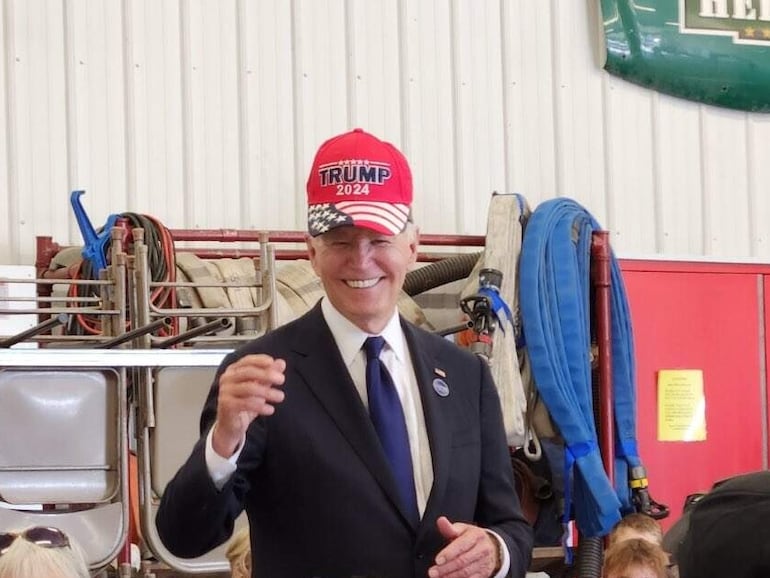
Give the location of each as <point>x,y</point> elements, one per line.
<point>590,556</point>
<point>439,273</point>
<point>156,258</point>
<point>590,551</point>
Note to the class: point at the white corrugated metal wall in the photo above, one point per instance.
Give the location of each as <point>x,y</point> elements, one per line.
<point>206,113</point>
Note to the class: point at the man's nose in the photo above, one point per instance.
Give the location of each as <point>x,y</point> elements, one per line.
<point>361,250</point>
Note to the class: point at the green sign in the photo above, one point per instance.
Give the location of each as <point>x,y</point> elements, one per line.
<point>712,51</point>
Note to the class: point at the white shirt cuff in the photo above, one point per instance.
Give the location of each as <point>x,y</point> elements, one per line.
<point>220,469</point>
<point>505,563</point>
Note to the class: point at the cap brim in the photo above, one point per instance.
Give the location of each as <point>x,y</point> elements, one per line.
<point>384,218</point>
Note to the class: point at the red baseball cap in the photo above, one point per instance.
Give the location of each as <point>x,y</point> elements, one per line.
<point>359,180</point>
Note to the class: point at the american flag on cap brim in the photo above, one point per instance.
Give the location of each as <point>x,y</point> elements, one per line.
<point>321,218</point>
<point>388,218</point>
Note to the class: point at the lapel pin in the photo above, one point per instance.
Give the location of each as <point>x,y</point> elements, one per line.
<point>440,387</point>
<point>439,372</point>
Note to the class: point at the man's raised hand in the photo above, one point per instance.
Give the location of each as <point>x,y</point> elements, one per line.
<point>248,388</point>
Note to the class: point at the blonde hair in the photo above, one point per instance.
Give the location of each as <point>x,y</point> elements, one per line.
<point>637,525</point>
<point>25,559</point>
<point>634,553</point>
<point>238,553</point>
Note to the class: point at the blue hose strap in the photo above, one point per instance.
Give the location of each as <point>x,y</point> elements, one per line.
<point>499,307</point>
<point>571,454</point>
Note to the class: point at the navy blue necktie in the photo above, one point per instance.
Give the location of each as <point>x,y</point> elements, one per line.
<point>388,419</point>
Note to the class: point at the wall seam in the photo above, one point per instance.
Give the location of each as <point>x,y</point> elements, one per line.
<point>751,201</point>
<point>705,248</point>
<point>558,152</point>
<point>457,133</point>
<point>129,114</point>
<point>350,64</point>
<point>185,100</point>
<point>245,216</point>
<point>70,97</point>
<point>11,144</point>
<point>297,131</point>
<point>505,58</point>
<point>657,186</point>
<point>403,78</point>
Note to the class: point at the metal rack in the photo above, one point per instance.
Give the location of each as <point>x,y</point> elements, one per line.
<point>108,303</point>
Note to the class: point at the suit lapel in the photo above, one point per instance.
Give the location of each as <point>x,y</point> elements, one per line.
<point>321,366</point>
<point>426,361</point>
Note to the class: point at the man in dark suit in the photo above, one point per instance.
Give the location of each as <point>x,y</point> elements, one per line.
<point>300,428</point>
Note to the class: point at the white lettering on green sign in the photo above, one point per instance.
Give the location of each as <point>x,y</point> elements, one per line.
<point>737,9</point>
<point>747,21</point>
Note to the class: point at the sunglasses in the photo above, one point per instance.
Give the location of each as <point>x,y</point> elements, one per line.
<point>39,535</point>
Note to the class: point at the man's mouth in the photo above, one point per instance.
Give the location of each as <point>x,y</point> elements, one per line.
<point>362,283</point>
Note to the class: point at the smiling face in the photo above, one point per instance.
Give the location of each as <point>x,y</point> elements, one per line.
<point>363,271</point>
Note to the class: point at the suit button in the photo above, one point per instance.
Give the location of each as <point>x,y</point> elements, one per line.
<point>420,555</point>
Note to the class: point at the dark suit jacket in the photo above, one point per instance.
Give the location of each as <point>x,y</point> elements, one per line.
<point>314,479</point>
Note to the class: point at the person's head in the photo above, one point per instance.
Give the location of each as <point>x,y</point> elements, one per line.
<point>634,558</point>
<point>727,532</point>
<point>636,525</point>
<point>238,553</point>
<point>361,240</point>
<point>40,551</point>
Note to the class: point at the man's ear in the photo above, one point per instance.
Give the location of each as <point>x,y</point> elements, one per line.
<point>311,250</point>
<point>414,244</point>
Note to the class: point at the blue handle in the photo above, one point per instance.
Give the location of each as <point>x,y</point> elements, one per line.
<point>95,244</point>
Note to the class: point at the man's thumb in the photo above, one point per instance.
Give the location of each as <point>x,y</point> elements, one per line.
<point>446,528</point>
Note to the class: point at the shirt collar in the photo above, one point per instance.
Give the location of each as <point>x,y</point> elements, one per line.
<point>350,338</point>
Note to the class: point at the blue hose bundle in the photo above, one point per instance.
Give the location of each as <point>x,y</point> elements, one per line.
<point>554,278</point>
